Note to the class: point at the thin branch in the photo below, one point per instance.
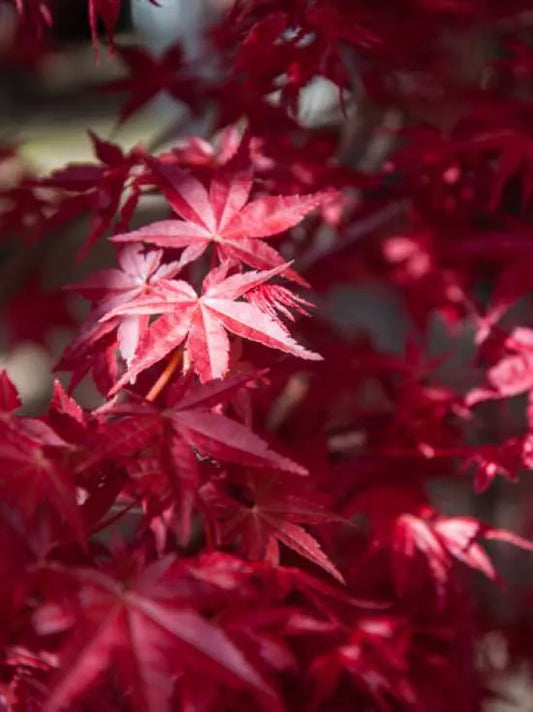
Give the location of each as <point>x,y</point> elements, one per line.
<point>357,232</point>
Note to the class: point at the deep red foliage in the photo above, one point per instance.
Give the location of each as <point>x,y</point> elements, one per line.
<point>237,527</point>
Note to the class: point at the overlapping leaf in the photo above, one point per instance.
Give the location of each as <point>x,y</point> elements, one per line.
<point>223,216</point>
<point>96,187</point>
<point>151,75</point>
<point>149,635</point>
<point>191,417</point>
<point>202,321</point>
<point>189,424</point>
<point>263,512</point>
<point>413,531</point>
<point>33,459</point>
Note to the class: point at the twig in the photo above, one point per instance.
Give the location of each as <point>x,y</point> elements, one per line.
<point>357,232</point>
<point>165,377</point>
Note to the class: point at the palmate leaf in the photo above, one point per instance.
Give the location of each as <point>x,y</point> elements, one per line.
<point>149,636</point>
<point>381,671</point>
<point>152,75</point>
<point>96,345</point>
<point>223,216</point>
<point>512,374</point>
<point>33,478</point>
<point>425,545</point>
<point>203,322</point>
<point>191,419</point>
<point>135,276</point>
<point>34,466</point>
<point>268,511</point>
<point>176,433</point>
<point>96,187</point>
<point>503,459</point>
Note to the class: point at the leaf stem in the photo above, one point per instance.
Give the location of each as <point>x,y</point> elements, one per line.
<point>164,378</point>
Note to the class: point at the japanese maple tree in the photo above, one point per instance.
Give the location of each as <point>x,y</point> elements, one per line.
<point>262,511</point>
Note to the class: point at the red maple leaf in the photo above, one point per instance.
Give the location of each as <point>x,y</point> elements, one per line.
<point>96,187</point>
<point>150,76</point>
<point>136,276</point>
<point>94,352</point>
<point>406,525</point>
<point>488,461</point>
<point>34,459</point>
<point>149,632</point>
<point>203,322</point>
<point>186,425</point>
<point>94,349</point>
<point>512,374</point>
<point>374,656</point>
<point>190,414</point>
<point>223,216</point>
<point>262,512</point>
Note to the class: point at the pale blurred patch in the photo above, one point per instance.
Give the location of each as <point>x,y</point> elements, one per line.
<point>29,367</point>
